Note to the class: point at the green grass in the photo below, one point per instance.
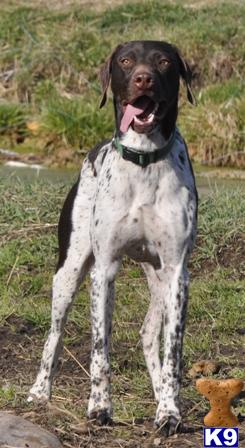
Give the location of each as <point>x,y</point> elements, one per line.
<point>73,121</point>
<point>221,225</point>
<point>12,119</point>
<point>54,56</point>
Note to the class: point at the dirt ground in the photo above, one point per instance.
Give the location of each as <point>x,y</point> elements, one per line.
<point>227,256</point>
<point>19,351</point>
<point>21,343</point>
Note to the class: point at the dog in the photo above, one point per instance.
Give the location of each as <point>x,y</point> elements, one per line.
<point>135,196</point>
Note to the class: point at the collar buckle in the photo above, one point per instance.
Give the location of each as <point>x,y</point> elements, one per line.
<point>147,158</point>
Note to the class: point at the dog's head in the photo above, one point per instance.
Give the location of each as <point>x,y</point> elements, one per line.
<point>144,78</point>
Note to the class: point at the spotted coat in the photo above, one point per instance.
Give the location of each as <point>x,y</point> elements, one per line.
<point>118,208</point>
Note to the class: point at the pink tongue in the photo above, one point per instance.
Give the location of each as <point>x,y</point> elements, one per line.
<point>132,111</point>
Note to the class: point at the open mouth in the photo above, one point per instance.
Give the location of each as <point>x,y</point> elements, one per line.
<point>140,114</point>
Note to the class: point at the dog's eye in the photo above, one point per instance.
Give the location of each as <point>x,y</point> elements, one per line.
<point>163,63</point>
<point>125,62</point>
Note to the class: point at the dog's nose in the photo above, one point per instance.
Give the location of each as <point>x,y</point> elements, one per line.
<point>143,80</point>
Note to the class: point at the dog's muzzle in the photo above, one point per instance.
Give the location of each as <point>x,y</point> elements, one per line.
<point>141,114</point>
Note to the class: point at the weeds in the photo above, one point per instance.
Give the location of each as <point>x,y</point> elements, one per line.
<point>73,120</point>
<point>13,120</point>
<point>222,126</point>
<point>50,59</point>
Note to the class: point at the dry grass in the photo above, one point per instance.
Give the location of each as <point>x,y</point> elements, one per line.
<point>62,5</point>
<point>50,57</point>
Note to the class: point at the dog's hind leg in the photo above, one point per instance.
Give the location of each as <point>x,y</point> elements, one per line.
<point>75,259</point>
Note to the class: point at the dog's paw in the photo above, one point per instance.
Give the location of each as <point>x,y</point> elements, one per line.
<point>38,395</point>
<point>101,416</point>
<point>168,425</point>
<point>100,407</point>
<point>31,398</point>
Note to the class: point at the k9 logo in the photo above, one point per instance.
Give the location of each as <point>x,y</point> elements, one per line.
<point>221,437</point>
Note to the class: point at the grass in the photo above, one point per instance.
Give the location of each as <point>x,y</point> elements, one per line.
<point>63,117</point>
<point>215,325</point>
<point>216,235</point>
<point>50,58</point>
<point>13,121</point>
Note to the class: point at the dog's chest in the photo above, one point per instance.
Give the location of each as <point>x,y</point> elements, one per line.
<point>139,203</point>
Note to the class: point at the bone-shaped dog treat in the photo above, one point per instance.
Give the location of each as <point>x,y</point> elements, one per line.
<point>220,393</point>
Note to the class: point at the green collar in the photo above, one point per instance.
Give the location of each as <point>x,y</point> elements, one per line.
<point>142,158</point>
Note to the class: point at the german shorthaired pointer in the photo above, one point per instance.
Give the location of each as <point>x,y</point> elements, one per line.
<point>136,195</point>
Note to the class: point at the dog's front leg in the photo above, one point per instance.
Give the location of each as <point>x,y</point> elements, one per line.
<point>102,300</point>
<point>152,327</point>
<point>175,304</point>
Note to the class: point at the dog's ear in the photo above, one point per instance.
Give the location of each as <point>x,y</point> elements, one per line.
<point>186,75</point>
<point>105,75</point>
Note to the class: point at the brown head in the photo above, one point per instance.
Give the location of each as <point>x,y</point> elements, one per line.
<point>144,78</point>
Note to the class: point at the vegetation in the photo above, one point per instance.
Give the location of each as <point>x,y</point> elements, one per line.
<point>49,63</point>
<point>50,57</point>
<point>215,328</point>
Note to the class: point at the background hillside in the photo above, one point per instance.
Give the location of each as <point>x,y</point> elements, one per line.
<point>51,51</point>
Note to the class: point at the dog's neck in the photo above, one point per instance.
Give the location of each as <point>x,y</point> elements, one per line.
<point>143,142</point>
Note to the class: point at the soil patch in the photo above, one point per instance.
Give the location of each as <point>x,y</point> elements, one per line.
<point>21,344</point>
<point>230,256</point>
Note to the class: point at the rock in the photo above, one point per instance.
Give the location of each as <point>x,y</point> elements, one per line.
<point>20,433</point>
